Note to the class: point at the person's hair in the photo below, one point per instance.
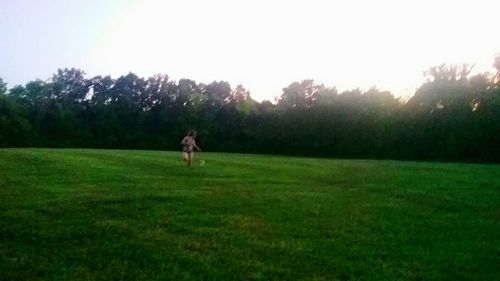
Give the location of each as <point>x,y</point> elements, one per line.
<point>192,133</point>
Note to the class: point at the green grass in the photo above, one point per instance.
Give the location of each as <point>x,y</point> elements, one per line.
<point>142,215</point>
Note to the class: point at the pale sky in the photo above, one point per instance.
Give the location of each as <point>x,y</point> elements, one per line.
<point>264,45</point>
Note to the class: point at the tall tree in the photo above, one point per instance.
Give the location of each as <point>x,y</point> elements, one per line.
<point>496,64</point>
<point>300,95</point>
<point>3,87</point>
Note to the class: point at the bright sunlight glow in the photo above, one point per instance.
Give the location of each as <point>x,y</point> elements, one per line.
<point>265,45</point>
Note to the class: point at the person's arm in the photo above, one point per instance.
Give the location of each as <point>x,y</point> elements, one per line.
<point>194,144</point>
<point>183,142</point>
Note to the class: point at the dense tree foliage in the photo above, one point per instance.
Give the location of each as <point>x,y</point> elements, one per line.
<point>453,116</point>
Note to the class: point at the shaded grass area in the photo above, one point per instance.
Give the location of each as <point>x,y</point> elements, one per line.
<point>142,215</point>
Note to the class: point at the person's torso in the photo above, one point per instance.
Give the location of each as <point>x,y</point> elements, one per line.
<point>188,141</point>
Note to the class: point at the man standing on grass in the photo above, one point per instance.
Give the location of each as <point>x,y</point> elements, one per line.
<point>188,146</point>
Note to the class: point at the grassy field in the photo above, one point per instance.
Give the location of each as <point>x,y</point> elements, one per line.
<point>142,215</point>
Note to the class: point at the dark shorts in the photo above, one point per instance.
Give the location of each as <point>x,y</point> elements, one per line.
<point>187,149</point>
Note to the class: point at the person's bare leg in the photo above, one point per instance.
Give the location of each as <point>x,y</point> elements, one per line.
<point>185,155</point>
<point>191,156</point>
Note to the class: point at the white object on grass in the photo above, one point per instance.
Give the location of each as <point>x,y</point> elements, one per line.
<point>202,163</point>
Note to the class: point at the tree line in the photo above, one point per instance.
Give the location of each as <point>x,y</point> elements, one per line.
<point>452,116</point>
